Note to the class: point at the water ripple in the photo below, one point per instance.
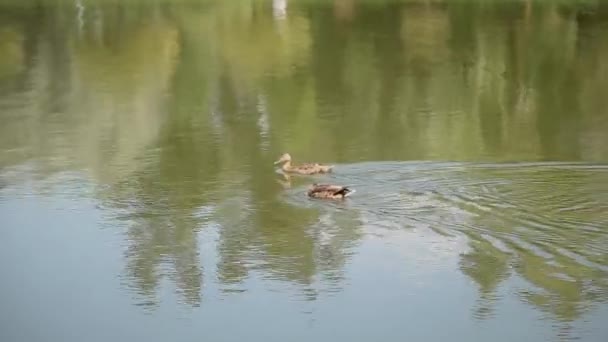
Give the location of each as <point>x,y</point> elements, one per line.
<point>554,211</point>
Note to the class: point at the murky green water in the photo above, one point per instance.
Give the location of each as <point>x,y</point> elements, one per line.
<point>139,201</point>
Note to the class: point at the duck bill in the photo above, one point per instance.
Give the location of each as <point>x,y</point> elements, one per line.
<point>277,162</point>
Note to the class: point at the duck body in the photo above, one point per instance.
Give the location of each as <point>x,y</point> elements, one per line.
<point>306,169</point>
<point>329,191</point>
<point>303,169</point>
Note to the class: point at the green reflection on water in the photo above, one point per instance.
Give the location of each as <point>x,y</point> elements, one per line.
<point>179,108</point>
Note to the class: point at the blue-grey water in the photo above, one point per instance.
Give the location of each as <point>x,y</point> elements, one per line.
<point>139,200</point>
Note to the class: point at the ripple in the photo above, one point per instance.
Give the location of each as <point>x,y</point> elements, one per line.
<point>548,216</point>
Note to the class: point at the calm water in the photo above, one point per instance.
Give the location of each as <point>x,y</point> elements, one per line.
<point>139,202</point>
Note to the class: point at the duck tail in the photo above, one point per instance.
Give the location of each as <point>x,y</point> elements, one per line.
<point>346,191</point>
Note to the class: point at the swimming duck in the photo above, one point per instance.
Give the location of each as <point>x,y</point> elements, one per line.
<point>329,191</point>
<point>303,169</point>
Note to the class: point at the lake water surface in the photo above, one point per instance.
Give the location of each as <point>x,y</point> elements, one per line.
<point>139,201</point>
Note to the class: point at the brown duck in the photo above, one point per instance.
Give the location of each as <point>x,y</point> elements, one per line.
<point>328,191</point>
<point>303,169</point>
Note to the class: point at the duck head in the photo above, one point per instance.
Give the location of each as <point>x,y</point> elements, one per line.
<point>284,159</point>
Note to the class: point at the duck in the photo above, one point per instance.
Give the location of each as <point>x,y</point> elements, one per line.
<point>303,169</point>
<point>329,191</point>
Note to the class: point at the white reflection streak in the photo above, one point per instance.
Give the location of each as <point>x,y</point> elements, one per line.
<point>263,122</point>
<point>279,9</point>
<point>215,111</point>
<point>80,14</point>
<point>216,121</point>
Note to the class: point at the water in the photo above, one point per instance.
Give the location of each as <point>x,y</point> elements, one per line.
<point>138,199</point>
